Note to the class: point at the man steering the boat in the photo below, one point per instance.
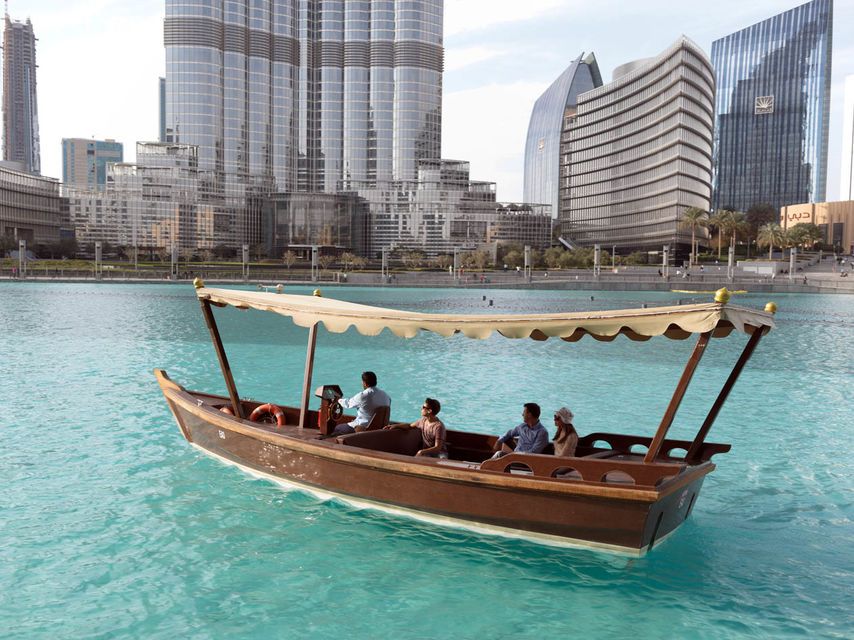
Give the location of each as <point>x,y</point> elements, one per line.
<point>531,436</point>
<point>366,402</point>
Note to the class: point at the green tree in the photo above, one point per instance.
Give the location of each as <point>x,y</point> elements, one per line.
<point>443,261</point>
<point>413,259</point>
<point>719,222</point>
<point>476,260</point>
<point>325,260</point>
<point>805,234</point>
<point>694,218</point>
<point>552,257</point>
<point>732,225</point>
<point>771,235</point>
<point>514,259</point>
<point>289,258</point>
<point>223,251</point>
<point>348,260</point>
<point>759,214</point>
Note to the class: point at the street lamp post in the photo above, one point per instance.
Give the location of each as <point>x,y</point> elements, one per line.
<point>384,264</point>
<point>22,258</point>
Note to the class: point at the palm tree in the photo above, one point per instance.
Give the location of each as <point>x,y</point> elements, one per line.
<point>719,222</point>
<point>770,234</point>
<point>732,224</point>
<point>694,217</point>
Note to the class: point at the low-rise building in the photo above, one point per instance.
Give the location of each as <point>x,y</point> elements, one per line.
<point>835,219</point>
<point>29,206</point>
<point>445,210</point>
<point>164,199</point>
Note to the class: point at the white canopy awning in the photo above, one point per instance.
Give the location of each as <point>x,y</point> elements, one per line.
<point>637,324</point>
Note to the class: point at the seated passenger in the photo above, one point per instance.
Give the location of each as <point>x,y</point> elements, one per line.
<point>433,433</point>
<point>566,438</point>
<point>531,435</point>
<point>365,402</point>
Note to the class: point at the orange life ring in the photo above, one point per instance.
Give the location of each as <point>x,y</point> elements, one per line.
<point>268,410</point>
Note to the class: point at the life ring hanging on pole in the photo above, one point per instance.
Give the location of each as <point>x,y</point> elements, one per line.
<point>268,410</point>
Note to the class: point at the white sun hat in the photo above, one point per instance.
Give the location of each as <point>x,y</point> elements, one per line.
<point>565,415</point>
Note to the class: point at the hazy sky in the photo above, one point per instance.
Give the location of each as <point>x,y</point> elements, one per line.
<point>99,61</point>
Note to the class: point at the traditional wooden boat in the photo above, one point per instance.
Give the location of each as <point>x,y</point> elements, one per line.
<point>619,492</point>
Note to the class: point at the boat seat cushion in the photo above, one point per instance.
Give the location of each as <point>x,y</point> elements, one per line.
<point>404,442</point>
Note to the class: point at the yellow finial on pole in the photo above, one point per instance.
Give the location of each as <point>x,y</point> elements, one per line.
<point>722,295</point>
<point>317,293</point>
<point>771,307</point>
<point>198,283</point>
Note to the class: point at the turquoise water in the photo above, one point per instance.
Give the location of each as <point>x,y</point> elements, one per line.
<point>112,526</point>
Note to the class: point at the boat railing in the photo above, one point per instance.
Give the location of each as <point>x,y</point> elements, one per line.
<point>670,449</point>
<point>587,469</point>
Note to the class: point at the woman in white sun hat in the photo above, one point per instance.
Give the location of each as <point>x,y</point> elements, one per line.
<point>566,438</point>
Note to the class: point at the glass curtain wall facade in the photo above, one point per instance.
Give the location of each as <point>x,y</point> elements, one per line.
<point>84,162</point>
<point>163,199</point>
<point>772,109</point>
<point>444,209</point>
<point>20,107</point>
<point>543,149</point>
<point>846,179</point>
<point>312,95</point>
<point>640,152</point>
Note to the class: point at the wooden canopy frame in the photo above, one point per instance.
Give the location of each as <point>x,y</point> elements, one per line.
<point>724,322</point>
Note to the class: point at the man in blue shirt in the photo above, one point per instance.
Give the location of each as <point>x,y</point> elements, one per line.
<point>531,435</point>
<point>366,402</point>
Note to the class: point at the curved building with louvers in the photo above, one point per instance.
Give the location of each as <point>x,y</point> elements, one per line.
<point>317,96</point>
<point>543,146</point>
<point>640,153</point>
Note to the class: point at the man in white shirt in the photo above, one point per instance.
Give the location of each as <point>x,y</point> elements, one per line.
<point>365,402</point>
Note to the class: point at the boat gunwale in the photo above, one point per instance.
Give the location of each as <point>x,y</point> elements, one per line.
<point>428,469</point>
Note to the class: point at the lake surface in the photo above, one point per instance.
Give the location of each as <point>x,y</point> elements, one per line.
<point>112,526</point>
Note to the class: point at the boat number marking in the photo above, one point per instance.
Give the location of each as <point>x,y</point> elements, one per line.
<point>222,437</point>
<point>681,498</point>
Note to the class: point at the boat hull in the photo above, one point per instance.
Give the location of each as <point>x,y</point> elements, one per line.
<point>555,511</point>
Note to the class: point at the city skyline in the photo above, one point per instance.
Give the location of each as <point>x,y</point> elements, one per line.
<point>499,58</point>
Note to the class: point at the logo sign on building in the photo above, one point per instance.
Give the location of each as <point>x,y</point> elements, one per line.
<point>763,105</point>
<point>796,217</point>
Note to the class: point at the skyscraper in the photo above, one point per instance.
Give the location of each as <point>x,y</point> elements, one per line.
<point>84,161</point>
<point>772,109</point>
<point>20,110</point>
<point>317,96</point>
<point>640,152</point>
<point>846,180</point>
<point>543,147</point>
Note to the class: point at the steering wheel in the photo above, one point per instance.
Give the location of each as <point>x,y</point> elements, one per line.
<point>336,411</point>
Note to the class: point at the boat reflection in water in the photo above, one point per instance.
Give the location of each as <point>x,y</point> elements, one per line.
<point>619,492</point>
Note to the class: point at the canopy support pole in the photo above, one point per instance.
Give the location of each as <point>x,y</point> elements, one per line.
<point>306,381</point>
<point>700,438</point>
<point>223,359</point>
<point>678,394</point>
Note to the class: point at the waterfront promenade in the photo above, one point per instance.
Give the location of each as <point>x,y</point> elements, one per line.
<point>818,278</point>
